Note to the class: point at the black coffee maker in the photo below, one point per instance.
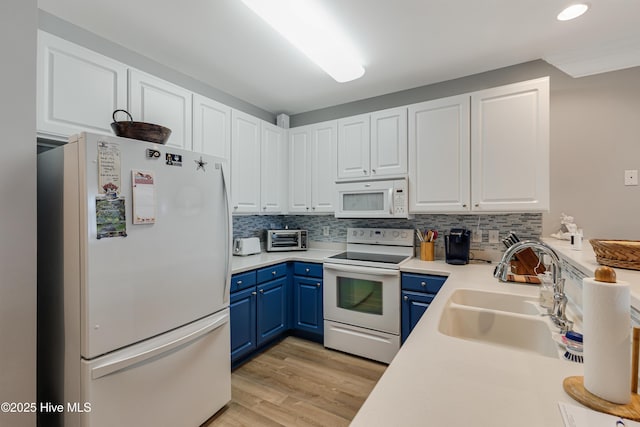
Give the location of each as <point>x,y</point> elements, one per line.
<point>456,245</point>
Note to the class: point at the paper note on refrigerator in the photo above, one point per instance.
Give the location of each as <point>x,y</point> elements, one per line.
<point>108,168</point>
<point>144,197</point>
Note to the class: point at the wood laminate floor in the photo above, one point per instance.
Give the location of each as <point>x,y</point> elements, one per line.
<point>298,383</point>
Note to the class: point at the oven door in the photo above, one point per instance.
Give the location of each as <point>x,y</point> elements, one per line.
<point>368,297</point>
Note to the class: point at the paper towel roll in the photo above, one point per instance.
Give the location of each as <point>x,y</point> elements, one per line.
<point>607,340</point>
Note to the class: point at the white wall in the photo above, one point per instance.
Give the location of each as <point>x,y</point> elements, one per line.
<point>18,24</point>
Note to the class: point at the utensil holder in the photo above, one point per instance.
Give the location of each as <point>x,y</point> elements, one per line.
<point>427,251</point>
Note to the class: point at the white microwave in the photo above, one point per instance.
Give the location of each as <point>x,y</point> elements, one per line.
<point>373,199</point>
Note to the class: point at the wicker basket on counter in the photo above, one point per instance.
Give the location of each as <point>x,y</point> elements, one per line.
<point>617,253</point>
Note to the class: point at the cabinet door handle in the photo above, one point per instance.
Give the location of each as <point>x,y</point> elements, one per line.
<point>477,205</point>
<point>306,270</point>
<point>423,284</point>
<point>239,282</point>
<point>262,291</point>
<point>235,207</point>
<point>274,273</point>
<point>307,207</point>
<point>364,171</point>
<point>314,208</point>
<point>254,293</point>
<point>373,171</point>
<point>264,208</point>
<point>318,285</point>
<point>406,298</point>
<point>464,205</point>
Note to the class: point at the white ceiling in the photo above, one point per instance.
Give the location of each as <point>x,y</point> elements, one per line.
<point>404,43</point>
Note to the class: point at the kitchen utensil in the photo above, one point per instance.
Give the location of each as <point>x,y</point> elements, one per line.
<point>573,344</point>
<point>140,130</point>
<point>574,354</point>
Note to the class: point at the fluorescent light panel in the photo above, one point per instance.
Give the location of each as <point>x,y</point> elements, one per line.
<point>310,28</point>
<point>572,12</point>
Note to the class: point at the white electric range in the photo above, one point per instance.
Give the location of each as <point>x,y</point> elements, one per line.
<point>362,292</point>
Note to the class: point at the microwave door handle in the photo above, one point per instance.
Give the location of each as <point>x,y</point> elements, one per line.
<point>391,201</point>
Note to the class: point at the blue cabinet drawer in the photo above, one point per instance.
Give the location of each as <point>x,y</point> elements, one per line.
<point>242,281</point>
<point>422,282</point>
<point>307,269</point>
<point>273,272</point>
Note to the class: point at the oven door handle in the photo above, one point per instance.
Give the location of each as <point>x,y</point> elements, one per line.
<point>362,270</point>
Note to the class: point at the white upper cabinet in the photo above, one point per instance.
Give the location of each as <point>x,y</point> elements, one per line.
<point>77,89</point>
<point>510,147</point>
<point>373,145</point>
<point>389,143</point>
<point>273,172</point>
<point>354,147</point>
<point>324,138</point>
<point>439,155</point>
<point>245,163</point>
<point>312,168</point>
<point>157,101</point>
<point>487,151</point>
<point>299,169</point>
<point>211,127</point>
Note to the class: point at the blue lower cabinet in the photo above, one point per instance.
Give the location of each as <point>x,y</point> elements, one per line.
<point>242,310</point>
<point>418,290</point>
<point>307,305</point>
<point>271,309</point>
<point>270,302</point>
<point>414,304</point>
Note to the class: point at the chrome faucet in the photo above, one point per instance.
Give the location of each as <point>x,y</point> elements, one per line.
<point>558,312</point>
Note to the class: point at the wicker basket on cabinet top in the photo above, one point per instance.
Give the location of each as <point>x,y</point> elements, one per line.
<point>617,253</point>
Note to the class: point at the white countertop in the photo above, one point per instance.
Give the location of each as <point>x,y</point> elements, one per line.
<point>240,264</point>
<point>440,380</point>
<point>585,261</point>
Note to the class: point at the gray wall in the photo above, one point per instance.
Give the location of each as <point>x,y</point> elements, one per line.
<point>61,28</point>
<point>594,134</point>
<point>18,23</point>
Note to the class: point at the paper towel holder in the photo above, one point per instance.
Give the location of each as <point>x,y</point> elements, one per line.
<point>574,386</point>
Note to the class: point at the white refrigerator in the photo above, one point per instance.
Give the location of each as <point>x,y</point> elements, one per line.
<point>134,248</point>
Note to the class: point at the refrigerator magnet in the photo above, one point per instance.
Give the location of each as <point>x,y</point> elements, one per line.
<point>144,197</point>
<point>111,217</point>
<point>173,159</point>
<point>109,179</point>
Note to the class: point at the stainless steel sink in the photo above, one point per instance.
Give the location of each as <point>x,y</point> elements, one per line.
<point>496,301</point>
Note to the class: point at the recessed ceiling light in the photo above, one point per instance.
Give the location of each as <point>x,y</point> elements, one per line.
<point>572,12</point>
<point>310,28</point>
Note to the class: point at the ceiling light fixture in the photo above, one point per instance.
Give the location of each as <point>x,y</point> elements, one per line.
<point>310,28</point>
<point>572,12</point>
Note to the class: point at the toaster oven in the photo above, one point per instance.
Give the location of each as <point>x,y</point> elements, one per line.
<point>286,240</point>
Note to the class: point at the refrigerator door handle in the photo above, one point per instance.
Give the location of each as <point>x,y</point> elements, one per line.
<point>117,365</point>
<point>227,281</point>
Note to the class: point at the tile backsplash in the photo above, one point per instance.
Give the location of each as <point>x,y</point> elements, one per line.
<point>525,225</point>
